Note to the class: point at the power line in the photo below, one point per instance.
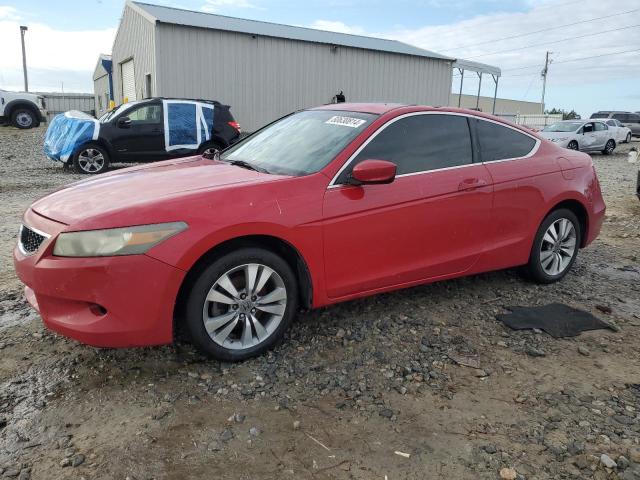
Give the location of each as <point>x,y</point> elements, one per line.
<point>556,41</point>
<point>580,59</point>
<point>543,30</point>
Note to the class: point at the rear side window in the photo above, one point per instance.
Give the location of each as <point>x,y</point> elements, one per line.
<point>420,143</point>
<point>501,143</point>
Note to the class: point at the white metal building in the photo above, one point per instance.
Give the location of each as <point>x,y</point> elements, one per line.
<point>266,70</point>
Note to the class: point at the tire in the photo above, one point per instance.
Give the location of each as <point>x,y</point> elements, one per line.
<point>209,146</point>
<point>91,159</point>
<point>573,145</point>
<point>540,268</point>
<point>214,313</point>
<point>628,139</point>
<point>609,147</point>
<point>24,118</point>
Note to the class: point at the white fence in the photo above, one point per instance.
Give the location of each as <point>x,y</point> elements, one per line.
<point>537,121</point>
<point>63,102</point>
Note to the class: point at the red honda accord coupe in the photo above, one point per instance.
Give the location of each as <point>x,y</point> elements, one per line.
<point>324,205</point>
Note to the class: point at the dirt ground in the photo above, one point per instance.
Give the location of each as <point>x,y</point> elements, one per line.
<point>370,389</point>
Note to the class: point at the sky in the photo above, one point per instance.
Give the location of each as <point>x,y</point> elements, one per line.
<point>65,38</point>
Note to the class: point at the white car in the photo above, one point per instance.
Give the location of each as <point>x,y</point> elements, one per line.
<point>623,134</point>
<point>585,135</point>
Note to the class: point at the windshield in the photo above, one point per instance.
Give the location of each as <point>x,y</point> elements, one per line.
<point>563,127</point>
<point>112,113</point>
<point>300,144</point>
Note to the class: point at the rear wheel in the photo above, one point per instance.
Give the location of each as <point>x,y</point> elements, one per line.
<point>573,145</point>
<point>555,247</point>
<point>24,118</point>
<point>609,147</point>
<point>241,304</point>
<point>91,159</point>
<point>209,149</point>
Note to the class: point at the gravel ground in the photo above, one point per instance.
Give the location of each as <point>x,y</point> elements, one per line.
<point>421,383</point>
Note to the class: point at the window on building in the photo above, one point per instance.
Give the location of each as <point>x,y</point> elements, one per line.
<point>501,143</point>
<point>147,82</point>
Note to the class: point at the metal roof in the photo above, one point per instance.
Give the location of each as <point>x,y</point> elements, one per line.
<point>253,27</point>
<point>476,67</point>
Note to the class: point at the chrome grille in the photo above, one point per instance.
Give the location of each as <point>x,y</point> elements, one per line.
<point>30,240</point>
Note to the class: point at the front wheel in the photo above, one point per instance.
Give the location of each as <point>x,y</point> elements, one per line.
<point>241,304</point>
<point>609,147</point>
<point>555,247</point>
<point>573,145</point>
<point>24,118</point>
<point>91,159</point>
<point>628,139</point>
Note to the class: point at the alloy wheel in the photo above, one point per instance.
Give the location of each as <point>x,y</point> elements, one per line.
<point>91,160</point>
<point>609,146</point>
<point>24,120</point>
<point>573,145</point>
<point>558,247</point>
<point>244,306</point>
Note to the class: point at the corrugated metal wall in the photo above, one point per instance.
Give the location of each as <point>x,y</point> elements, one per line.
<point>63,102</point>
<point>135,39</point>
<point>263,78</point>
<point>101,94</point>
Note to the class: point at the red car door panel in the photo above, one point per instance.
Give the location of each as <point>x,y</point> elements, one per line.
<point>424,225</point>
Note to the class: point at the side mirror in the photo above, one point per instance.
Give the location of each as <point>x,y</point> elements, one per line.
<point>373,172</point>
<point>124,122</point>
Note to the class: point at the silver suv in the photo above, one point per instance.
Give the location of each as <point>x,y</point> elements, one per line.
<point>627,119</point>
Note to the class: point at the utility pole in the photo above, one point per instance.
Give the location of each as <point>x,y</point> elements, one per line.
<point>23,30</point>
<point>544,73</point>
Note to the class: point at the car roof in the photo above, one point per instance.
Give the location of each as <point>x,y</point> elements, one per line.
<point>383,108</point>
<point>377,108</point>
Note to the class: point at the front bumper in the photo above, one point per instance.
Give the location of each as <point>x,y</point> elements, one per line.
<point>103,301</point>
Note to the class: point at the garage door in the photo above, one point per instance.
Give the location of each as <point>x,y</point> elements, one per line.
<point>128,80</point>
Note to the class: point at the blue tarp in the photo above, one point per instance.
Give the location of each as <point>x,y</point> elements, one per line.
<point>67,132</point>
<point>187,124</point>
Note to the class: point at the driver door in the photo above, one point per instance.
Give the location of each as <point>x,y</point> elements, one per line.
<point>142,138</point>
<point>589,138</point>
<point>430,222</point>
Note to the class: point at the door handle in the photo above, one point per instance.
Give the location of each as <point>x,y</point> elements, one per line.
<point>471,183</point>
<point>156,130</point>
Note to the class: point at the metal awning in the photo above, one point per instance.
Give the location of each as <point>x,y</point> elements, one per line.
<point>480,69</point>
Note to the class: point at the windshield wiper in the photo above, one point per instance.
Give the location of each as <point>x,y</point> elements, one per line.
<point>247,165</point>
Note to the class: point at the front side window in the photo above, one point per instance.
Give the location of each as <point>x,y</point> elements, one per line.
<point>600,127</point>
<point>420,143</point>
<point>620,116</point>
<point>612,123</point>
<point>499,142</point>
<point>300,144</point>
<point>146,114</point>
<point>633,118</point>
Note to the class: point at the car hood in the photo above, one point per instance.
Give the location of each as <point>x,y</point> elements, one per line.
<point>141,186</point>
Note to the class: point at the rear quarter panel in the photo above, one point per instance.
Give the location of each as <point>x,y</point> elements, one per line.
<point>526,190</point>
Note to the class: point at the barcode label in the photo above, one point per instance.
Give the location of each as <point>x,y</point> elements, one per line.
<point>345,121</point>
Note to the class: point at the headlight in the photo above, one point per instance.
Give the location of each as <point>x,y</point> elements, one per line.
<point>559,139</point>
<point>115,241</point>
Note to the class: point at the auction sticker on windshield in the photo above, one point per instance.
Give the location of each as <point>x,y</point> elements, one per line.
<point>345,121</point>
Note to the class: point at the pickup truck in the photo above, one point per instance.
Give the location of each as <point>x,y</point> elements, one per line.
<point>21,109</point>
